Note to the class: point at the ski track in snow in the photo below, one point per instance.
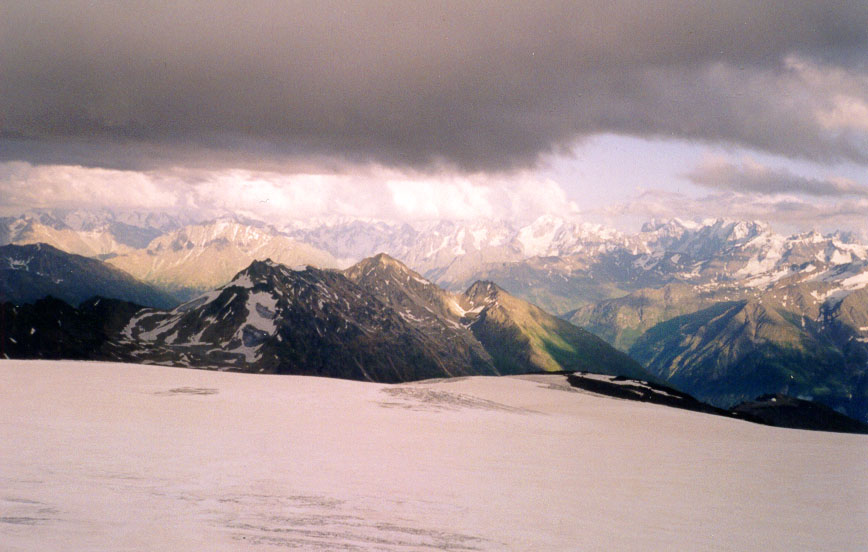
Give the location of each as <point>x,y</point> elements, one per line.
<point>102,456</point>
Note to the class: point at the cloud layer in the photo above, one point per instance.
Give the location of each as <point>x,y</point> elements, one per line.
<point>736,190</point>
<point>378,193</point>
<point>482,86</point>
<point>752,177</point>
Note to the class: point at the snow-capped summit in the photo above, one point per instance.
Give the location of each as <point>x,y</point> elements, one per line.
<point>700,240</point>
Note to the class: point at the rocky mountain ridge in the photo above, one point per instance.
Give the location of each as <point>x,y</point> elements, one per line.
<point>376,321</point>
<point>32,272</point>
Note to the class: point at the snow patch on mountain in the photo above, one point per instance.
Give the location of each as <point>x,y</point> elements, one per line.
<point>537,238</point>
<point>262,311</point>
<point>855,282</point>
<point>242,280</point>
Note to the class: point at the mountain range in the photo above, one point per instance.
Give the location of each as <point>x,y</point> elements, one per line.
<point>376,321</point>
<point>31,272</point>
<point>181,257</point>
<point>91,233</point>
<point>724,310</point>
<point>196,258</point>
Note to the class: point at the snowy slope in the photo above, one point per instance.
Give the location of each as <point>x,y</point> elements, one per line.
<point>119,457</point>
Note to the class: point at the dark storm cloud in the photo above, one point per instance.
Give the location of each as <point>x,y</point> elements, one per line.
<point>755,178</point>
<point>478,85</point>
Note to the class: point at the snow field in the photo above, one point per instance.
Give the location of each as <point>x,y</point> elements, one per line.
<point>101,456</point>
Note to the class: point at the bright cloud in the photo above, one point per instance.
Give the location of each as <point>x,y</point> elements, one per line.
<point>280,198</point>
<point>28,186</point>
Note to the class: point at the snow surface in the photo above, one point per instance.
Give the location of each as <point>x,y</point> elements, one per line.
<point>261,312</point>
<point>538,237</point>
<point>242,280</point>
<point>100,456</point>
<point>858,281</point>
<point>845,282</point>
<point>756,266</point>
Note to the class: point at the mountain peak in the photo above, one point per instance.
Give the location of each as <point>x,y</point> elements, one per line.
<point>483,292</point>
<point>387,260</point>
<point>379,265</point>
<point>257,272</point>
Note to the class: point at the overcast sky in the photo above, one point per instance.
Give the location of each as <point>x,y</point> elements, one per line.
<point>612,111</point>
